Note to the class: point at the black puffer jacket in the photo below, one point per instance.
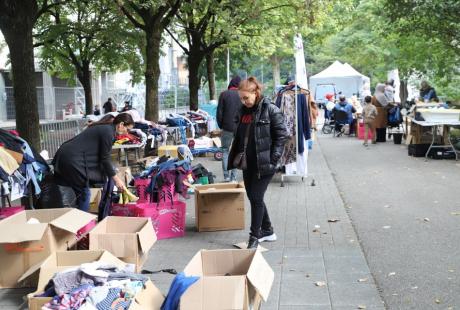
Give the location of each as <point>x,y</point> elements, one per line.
<point>270,136</point>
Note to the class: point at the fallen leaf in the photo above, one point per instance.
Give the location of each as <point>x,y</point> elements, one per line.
<point>414,287</point>
<point>437,300</point>
<point>317,226</point>
<point>333,220</point>
<point>320,283</point>
<point>386,206</point>
<point>435,201</point>
<point>455,213</point>
<point>386,227</point>
<point>363,280</point>
<point>395,294</point>
<point>451,270</point>
<point>324,233</point>
<point>426,219</point>
<point>361,307</point>
<point>292,270</point>
<point>351,240</point>
<point>392,274</point>
<point>315,230</point>
<point>307,275</point>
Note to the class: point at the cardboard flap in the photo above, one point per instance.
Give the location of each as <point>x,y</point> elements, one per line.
<point>73,220</point>
<point>22,232</point>
<point>33,269</point>
<point>149,298</point>
<point>261,275</point>
<point>120,245</point>
<point>195,266</point>
<point>213,190</point>
<point>147,236</point>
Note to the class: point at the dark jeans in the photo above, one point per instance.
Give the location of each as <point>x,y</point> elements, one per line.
<point>255,190</point>
<point>83,197</point>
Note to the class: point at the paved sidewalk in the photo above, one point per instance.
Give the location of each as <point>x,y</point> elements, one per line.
<point>302,256</point>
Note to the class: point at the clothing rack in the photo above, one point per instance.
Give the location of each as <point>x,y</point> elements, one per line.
<point>285,174</point>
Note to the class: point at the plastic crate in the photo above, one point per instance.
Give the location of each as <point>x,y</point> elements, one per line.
<point>167,192</point>
<point>118,209</point>
<point>168,218</point>
<point>9,211</point>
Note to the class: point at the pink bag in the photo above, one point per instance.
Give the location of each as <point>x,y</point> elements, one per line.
<point>9,211</point>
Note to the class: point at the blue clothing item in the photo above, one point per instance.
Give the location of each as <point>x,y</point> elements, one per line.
<point>303,121</point>
<point>106,303</point>
<point>346,107</point>
<point>178,287</point>
<point>32,168</point>
<point>83,197</point>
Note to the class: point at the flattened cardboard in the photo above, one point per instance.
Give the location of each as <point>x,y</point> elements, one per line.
<point>219,206</point>
<point>229,279</point>
<point>128,238</point>
<point>24,245</point>
<point>96,196</point>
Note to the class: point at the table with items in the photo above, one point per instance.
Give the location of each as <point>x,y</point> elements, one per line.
<point>435,129</point>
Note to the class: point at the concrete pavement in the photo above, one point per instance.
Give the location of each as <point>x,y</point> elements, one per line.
<point>311,247</point>
<point>407,216</point>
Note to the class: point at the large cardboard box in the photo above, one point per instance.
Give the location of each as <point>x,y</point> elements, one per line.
<point>229,279</point>
<point>219,206</point>
<point>128,238</point>
<point>23,245</point>
<point>168,150</point>
<point>149,298</point>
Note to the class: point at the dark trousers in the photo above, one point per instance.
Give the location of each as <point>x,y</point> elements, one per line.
<point>255,190</point>
<point>83,197</point>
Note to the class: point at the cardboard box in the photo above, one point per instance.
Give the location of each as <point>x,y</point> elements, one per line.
<point>23,245</point>
<point>149,298</point>
<point>96,196</point>
<point>219,206</point>
<point>125,174</point>
<point>229,279</point>
<point>168,150</point>
<point>128,238</point>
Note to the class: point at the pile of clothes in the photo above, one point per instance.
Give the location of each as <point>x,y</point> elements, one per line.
<point>135,136</point>
<point>93,286</point>
<point>20,165</point>
<point>172,174</point>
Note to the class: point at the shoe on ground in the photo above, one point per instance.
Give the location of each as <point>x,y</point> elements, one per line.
<point>374,142</point>
<point>253,242</point>
<point>267,235</point>
<point>365,144</point>
<point>226,180</point>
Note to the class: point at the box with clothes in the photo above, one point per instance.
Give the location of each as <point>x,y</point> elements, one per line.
<point>128,238</point>
<point>91,280</point>
<point>219,206</point>
<point>30,236</point>
<point>227,279</point>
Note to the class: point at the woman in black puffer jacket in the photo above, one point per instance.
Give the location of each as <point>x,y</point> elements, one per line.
<point>263,125</point>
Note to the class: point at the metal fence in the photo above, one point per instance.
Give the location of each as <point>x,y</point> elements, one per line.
<point>54,134</point>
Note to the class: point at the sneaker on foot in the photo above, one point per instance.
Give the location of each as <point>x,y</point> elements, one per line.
<point>374,142</point>
<point>253,242</point>
<point>365,144</point>
<point>267,235</point>
<point>226,180</point>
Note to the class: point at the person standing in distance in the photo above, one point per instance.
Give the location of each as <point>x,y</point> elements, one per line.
<point>108,106</point>
<point>229,104</point>
<point>85,159</point>
<point>259,139</point>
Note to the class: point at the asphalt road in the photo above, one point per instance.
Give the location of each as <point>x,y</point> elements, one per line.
<point>406,213</point>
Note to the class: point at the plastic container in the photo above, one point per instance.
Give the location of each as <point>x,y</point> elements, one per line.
<point>167,191</point>
<point>9,211</point>
<point>397,138</point>
<point>118,209</point>
<point>168,217</point>
<point>361,129</point>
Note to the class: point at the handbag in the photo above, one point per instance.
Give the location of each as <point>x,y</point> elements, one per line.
<point>239,162</point>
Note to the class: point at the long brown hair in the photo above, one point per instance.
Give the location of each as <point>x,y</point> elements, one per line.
<point>251,84</point>
<point>125,118</point>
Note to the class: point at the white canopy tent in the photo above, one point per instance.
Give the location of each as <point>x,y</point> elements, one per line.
<point>345,79</point>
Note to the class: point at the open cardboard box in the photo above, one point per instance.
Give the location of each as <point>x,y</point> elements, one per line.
<point>128,238</point>
<point>23,245</point>
<point>219,206</point>
<point>229,279</point>
<point>149,298</point>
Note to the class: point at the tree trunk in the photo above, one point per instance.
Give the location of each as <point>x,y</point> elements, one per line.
<point>18,36</point>
<point>194,61</point>
<point>152,74</point>
<point>211,75</point>
<point>276,70</point>
<point>85,79</point>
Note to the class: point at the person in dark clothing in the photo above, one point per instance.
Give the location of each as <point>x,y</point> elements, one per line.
<point>108,106</point>
<point>260,135</point>
<point>427,93</point>
<point>85,159</point>
<point>229,103</point>
<point>127,107</point>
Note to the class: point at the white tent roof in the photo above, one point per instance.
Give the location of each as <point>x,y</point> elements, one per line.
<point>337,69</point>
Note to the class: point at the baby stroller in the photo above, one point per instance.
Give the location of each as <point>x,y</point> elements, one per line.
<point>329,122</point>
<point>395,121</point>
